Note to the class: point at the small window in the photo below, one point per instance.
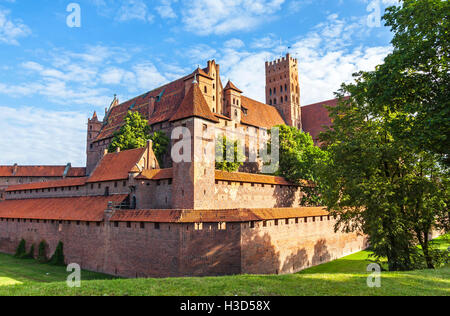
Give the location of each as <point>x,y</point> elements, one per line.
<point>157,226</point>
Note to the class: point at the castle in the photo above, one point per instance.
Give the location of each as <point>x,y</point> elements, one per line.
<point>127,215</point>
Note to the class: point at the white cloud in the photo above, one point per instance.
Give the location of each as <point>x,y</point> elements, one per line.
<point>11,30</point>
<point>35,136</point>
<point>327,58</point>
<point>206,17</point>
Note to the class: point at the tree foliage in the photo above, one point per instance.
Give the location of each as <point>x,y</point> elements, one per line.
<point>229,154</point>
<point>299,161</point>
<point>414,80</point>
<point>379,184</point>
<point>385,175</point>
<point>135,133</point>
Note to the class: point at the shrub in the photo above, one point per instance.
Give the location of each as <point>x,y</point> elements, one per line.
<point>30,254</point>
<point>42,252</point>
<point>58,257</point>
<point>21,250</point>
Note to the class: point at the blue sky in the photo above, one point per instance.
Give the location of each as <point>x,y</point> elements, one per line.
<point>53,76</point>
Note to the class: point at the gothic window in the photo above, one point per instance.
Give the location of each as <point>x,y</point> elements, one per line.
<point>275,101</point>
<point>281,100</point>
<point>270,93</point>
<point>274,90</point>
<point>235,113</point>
<point>285,98</point>
<point>281,88</point>
<point>270,101</point>
<point>285,87</point>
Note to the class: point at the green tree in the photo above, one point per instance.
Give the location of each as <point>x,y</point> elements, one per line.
<point>230,160</point>
<point>135,133</point>
<point>21,250</point>
<point>58,256</point>
<point>160,146</point>
<point>42,252</point>
<point>299,162</point>
<point>414,80</point>
<point>378,184</point>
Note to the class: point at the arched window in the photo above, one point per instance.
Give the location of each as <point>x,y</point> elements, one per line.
<point>206,89</point>
<point>270,92</point>
<point>274,90</point>
<point>235,113</point>
<point>270,101</point>
<point>286,98</point>
<point>234,101</point>
<point>275,101</point>
<point>285,87</point>
<point>281,100</point>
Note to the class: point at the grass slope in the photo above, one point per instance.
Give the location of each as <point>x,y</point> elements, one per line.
<point>346,276</point>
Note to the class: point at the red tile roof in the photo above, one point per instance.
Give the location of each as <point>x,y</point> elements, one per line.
<point>194,105</point>
<point>76,172</point>
<point>168,98</point>
<point>116,166</point>
<point>70,209</point>
<point>260,114</point>
<point>215,216</point>
<point>250,178</point>
<point>73,182</point>
<point>156,174</point>
<point>315,116</point>
<point>40,171</point>
<point>231,86</point>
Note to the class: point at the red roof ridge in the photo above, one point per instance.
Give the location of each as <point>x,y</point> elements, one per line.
<point>117,165</point>
<point>69,182</point>
<point>194,105</point>
<point>231,85</point>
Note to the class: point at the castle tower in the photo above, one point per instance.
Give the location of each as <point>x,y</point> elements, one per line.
<point>283,89</point>
<point>194,174</point>
<point>232,97</point>
<point>93,130</point>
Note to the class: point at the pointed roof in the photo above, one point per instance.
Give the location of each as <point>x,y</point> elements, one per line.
<point>194,105</point>
<point>230,85</point>
<point>116,166</point>
<point>94,116</point>
<point>197,72</point>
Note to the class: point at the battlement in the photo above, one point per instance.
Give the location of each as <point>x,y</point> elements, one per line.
<point>281,61</point>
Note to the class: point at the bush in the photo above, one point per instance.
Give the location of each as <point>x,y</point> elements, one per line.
<point>30,254</point>
<point>42,252</point>
<point>58,257</point>
<point>21,250</point>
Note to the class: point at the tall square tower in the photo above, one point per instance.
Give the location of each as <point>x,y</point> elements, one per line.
<point>283,89</point>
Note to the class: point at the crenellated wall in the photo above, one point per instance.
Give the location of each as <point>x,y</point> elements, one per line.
<point>135,249</point>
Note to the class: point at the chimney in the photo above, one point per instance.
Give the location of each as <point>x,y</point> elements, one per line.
<point>15,169</point>
<point>151,106</point>
<point>149,148</point>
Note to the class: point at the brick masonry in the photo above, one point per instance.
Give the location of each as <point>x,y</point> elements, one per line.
<point>187,249</point>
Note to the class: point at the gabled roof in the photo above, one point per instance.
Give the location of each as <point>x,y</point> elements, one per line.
<point>156,174</point>
<point>260,114</point>
<point>71,182</point>
<point>215,216</point>
<point>40,171</point>
<point>194,105</point>
<point>231,86</point>
<point>116,166</point>
<point>89,209</point>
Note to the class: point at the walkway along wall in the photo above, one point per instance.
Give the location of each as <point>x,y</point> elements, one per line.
<point>169,243</point>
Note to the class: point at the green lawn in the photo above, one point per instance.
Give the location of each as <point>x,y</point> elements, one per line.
<point>346,276</point>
